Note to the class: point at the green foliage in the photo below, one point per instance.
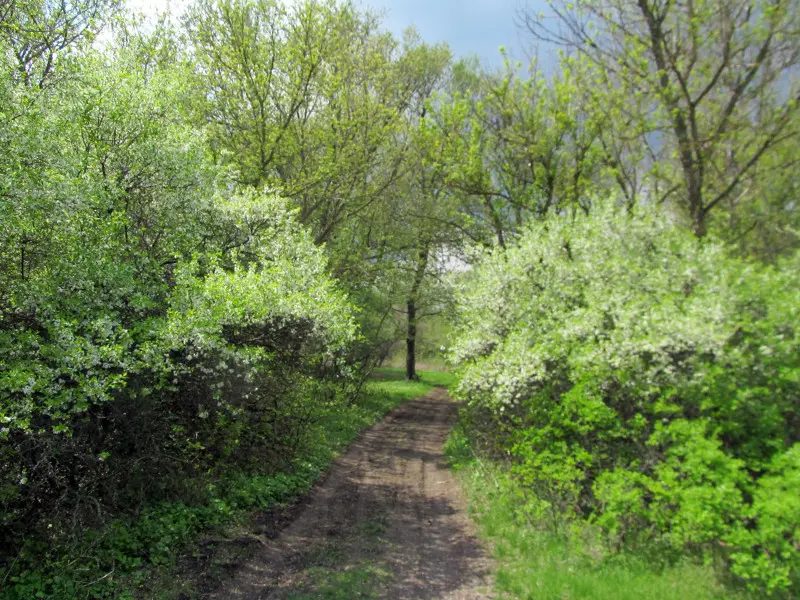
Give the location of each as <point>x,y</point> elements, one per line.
<point>315,101</point>
<point>159,323</point>
<point>766,546</point>
<point>515,148</point>
<point>712,80</point>
<point>427,379</point>
<point>642,381</point>
<point>170,313</point>
<point>539,561</point>
<point>187,222</point>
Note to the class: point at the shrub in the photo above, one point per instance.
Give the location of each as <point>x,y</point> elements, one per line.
<point>642,379</point>
<point>157,322</point>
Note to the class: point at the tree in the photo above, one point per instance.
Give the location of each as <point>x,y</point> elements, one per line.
<point>140,287</point>
<point>519,148</point>
<point>35,33</point>
<point>428,210</point>
<point>610,362</point>
<point>718,79</point>
<point>302,99</point>
<point>314,101</point>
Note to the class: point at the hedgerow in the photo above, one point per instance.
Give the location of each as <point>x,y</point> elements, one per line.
<point>159,323</point>
<point>645,381</point>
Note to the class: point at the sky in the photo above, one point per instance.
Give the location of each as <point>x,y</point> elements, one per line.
<point>478,27</point>
<point>470,27</point>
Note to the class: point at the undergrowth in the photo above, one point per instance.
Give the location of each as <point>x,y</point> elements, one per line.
<point>550,559</point>
<point>113,562</point>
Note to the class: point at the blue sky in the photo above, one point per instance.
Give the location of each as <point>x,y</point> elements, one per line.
<point>468,26</point>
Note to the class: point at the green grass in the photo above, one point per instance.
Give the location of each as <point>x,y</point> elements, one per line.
<point>140,554</point>
<point>431,363</point>
<point>362,581</point>
<point>535,562</point>
<point>427,379</point>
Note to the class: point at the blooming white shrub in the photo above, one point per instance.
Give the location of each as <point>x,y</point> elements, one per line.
<point>641,378</point>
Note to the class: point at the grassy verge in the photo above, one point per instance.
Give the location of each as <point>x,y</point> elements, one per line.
<point>432,363</point>
<point>542,562</point>
<point>132,558</point>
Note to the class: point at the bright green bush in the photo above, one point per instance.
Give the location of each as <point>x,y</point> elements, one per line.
<point>644,380</point>
<point>767,544</point>
<point>536,562</point>
<point>158,323</point>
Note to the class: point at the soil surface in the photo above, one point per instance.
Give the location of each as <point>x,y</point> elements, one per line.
<point>388,521</point>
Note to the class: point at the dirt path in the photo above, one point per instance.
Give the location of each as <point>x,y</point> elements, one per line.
<point>388,522</point>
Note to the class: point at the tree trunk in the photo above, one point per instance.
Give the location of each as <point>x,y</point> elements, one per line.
<point>411,342</point>
<point>700,229</point>
<point>684,120</point>
<point>411,311</point>
<point>496,222</point>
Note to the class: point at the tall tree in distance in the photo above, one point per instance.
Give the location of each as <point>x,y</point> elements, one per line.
<point>424,195</point>
<point>718,77</point>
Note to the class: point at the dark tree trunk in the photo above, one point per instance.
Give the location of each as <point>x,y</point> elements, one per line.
<point>684,121</point>
<point>411,308</point>
<point>497,223</point>
<point>411,342</point>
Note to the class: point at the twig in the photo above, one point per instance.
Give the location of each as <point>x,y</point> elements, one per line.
<point>8,572</point>
<point>99,580</point>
